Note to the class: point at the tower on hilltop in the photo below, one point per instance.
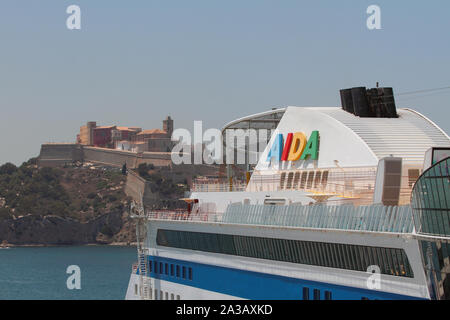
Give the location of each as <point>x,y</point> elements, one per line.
<point>168,125</point>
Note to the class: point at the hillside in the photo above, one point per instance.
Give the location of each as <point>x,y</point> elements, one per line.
<point>81,204</point>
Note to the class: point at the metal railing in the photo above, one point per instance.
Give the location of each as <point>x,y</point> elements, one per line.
<point>184,216</point>
<point>217,187</point>
<point>376,218</point>
<point>372,218</point>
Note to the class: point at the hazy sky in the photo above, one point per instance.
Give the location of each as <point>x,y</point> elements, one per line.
<point>135,62</point>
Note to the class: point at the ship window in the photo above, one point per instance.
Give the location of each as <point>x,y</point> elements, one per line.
<point>328,295</point>
<point>387,261</point>
<point>347,259</point>
<point>304,247</point>
<point>339,256</point>
<point>161,295</point>
<point>156,294</point>
<point>318,254</point>
<point>172,273</point>
<point>310,179</point>
<point>172,297</point>
<point>293,258</point>
<point>289,180</point>
<point>178,297</point>
<point>305,293</point>
<point>167,296</point>
<point>326,254</point>
<point>161,269</point>
<point>382,261</point>
<point>357,258</point>
<point>156,267</point>
<point>317,179</point>
<point>282,179</point>
<point>303,180</point>
<point>166,269</point>
<point>324,179</point>
<point>351,257</point>
<point>354,257</point>
<point>316,294</point>
<point>314,253</point>
<point>150,266</point>
<point>296,179</point>
<point>365,258</point>
<point>398,256</point>
<point>135,289</point>
<point>393,271</point>
<point>405,267</point>
<point>331,255</point>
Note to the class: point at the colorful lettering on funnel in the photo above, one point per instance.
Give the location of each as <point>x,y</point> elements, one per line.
<point>296,147</point>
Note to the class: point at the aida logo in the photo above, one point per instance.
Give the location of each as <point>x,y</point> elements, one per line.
<point>296,147</point>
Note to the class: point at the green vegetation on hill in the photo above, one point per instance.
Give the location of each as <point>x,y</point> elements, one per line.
<point>161,182</point>
<point>26,190</point>
<point>81,193</point>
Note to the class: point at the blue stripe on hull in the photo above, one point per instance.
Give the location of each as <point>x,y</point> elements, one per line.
<point>258,286</point>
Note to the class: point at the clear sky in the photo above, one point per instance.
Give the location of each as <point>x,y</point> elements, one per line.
<point>135,62</point>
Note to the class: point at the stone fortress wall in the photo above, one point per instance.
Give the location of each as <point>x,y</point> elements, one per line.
<point>58,154</point>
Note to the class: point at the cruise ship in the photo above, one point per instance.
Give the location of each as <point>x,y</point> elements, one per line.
<point>347,202</point>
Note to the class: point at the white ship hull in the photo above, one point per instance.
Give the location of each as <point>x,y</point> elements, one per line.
<point>220,276</point>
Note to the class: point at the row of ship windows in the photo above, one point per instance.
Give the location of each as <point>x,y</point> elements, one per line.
<point>317,295</point>
<point>163,295</point>
<point>391,261</point>
<point>307,179</point>
<point>170,270</point>
<point>158,294</point>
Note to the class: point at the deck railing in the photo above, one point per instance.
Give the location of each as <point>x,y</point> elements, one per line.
<point>372,218</point>
<point>378,218</point>
<point>184,216</point>
<point>217,187</point>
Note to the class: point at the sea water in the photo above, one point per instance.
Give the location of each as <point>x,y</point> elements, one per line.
<point>41,272</point>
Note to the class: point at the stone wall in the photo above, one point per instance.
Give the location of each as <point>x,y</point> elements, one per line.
<point>57,154</point>
<point>60,154</point>
<point>116,158</point>
<point>137,188</point>
<point>158,159</point>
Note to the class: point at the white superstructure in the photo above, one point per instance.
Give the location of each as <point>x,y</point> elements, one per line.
<point>302,229</point>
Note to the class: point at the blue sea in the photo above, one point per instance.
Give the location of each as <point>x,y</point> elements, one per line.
<point>40,272</point>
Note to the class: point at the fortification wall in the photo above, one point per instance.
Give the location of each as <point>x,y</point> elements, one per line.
<point>137,188</point>
<point>158,159</point>
<point>57,154</point>
<point>53,154</point>
<point>116,158</point>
